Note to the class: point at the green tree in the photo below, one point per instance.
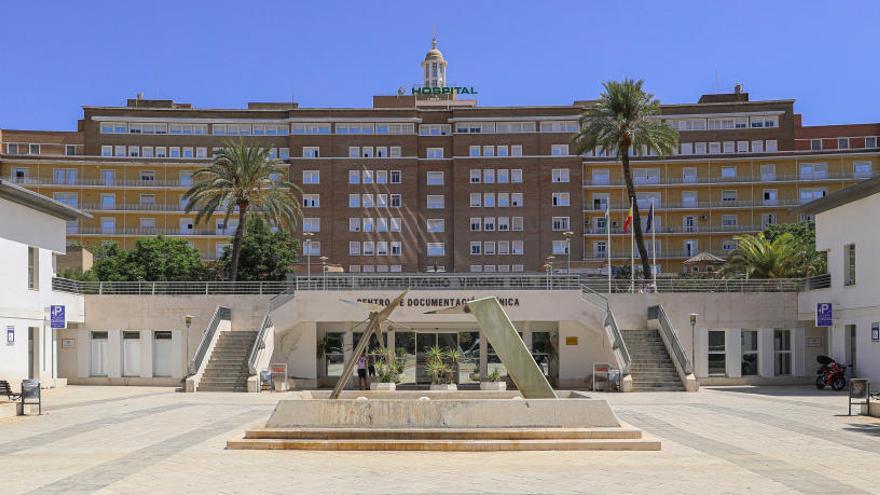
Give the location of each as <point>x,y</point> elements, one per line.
<point>157,258</point>
<point>758,257</point>
<point>624,120</point>
<point>243,178</point>
<point>265,255</point>
<point>809,262</point>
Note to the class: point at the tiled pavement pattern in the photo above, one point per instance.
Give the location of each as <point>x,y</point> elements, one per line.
<point>720,440</point>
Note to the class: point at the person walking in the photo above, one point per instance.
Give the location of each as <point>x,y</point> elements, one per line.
<point>362,373</point>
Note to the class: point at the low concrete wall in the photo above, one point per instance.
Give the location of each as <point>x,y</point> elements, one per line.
<point>443,413</point>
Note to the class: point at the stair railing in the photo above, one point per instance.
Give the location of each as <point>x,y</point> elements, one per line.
<point>198,359</point>
<point>657,312</point>
<point>612,330</point>
<point>259,343</point>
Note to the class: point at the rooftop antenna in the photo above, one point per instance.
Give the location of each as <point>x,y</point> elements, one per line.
<point>717,82</point>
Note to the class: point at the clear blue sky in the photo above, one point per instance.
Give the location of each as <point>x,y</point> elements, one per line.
<point>61,55</point>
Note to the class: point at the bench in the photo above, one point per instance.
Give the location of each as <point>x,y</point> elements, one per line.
<point>6,389</point>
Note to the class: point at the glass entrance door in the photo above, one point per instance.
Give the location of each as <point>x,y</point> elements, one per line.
<point>424,342</point>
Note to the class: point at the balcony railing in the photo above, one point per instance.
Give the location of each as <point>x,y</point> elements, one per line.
<point>169,207</point>
<point>52,181</point>
<point>152,231</point>
<point>735,179</point>
<point>677,229</point>
<point>697,205</point>
<point>665,254</point>
<point>600,284</point>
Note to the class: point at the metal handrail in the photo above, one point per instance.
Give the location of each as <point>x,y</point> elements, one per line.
<point>450,281</point>
<point>618,344</point>
<point>817,282</point>
<point>737,179</point>
<point>600,284</point>
<point>259,343</point>
<point>221,313</point>
<point>657,312</point>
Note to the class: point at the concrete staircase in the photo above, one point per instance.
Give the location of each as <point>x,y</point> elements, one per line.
<point>227,370</point>
<point>652,369</point>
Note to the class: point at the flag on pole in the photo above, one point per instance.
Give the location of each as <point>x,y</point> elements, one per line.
<point>649,225</point>
<point>629,219</point>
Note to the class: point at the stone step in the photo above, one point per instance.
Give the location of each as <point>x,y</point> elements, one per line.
<point>644,444</point>
<point>442,433</point>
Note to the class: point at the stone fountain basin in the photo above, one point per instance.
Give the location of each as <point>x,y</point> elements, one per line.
<point>453,409</point>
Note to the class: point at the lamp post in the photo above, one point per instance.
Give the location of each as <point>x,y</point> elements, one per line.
<point>188,321</point>
<point>693,318</point>
<point>307,247</point>
<point>324,271</point>
<point>568,235</point>
<point>548,267</point>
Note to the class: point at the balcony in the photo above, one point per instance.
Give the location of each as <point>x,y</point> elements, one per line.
<point>147,207</point>
<point>739,179</point>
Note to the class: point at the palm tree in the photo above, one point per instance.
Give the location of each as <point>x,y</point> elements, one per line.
<point>243,177</point>
<point>757,257</point>
<point>624,120</point>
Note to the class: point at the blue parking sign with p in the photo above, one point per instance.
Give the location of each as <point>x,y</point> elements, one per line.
<point>57,317</point>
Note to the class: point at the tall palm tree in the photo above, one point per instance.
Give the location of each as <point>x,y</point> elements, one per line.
<point>624,120</point>
<point>758,257</point>
<point>245,178</point>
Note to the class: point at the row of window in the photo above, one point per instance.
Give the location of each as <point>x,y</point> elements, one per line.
<point>374,268</point>
<point>843,143</point>
<point>499,248</point>
<point>501,200</point>
<point>496,268</point>
<point>369,224</point>
<point>364,176</point>
<point>770,197</point>
<point>200,152</point>
<point>496,176</point>
<point>374,248</point>
<point>702,124</point>
<point>861,168</point>
<point>370,200</point>
<point>715,148</point>
<point>36,149</point>
<point>360,151</point>
<point>491,150</point>
<point>499,224</point>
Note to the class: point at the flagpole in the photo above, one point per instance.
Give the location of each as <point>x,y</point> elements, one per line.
<point>608,245</point>
<point>632,253</point>
<point>654,244</point>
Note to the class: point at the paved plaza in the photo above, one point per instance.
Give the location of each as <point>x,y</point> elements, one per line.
<point>720,440</point>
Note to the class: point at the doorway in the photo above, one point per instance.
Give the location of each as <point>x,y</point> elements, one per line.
<point>851,349</point>
<point>131,353</point>
<point>98,358</point>
<point>162,365</point>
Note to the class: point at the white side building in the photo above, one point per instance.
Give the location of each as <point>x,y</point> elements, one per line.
<point>848,230</point>
<point>33,230</point>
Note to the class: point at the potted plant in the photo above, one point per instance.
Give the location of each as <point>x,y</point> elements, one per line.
<point>437,364</point>
<point>387,370</point>
<point>493,381</point>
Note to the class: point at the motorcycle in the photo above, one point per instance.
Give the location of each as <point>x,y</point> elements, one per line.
<point>830,373</point>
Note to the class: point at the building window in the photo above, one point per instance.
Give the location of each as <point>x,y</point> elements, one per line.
<point>728,172</point>
<point>717,354</point>
<point>816,144</point>
<point>381,177</point>
<point>561,199</point>
<point>476,248</point>
<point>311,152</point>
<point>489,224</point>
<point>395,201</point>
<point>782,351</point>
<point>311,176</point>
<point>435,153</point>
<point>560,247</point>
<point>367,200</point>
<point>476,200</point>
<point>560,175</point>
<point>33,268</point>
<point>435,225</point>
<point>395,177</point>
<point>435,201</point>
<point>861,169</point>
<point>474,150</point>
<point>559,150</point>
<point>842,143</point>
<point>488,200</point>
<point>560,224</point>
<point>311,225</point>
<point>871,142</point>
<point>516,248</point>
<point>312,248</point>
<point>311,200</point>
<point>354,200</point>
<point>772,145</point>
<point>728,196</point>
<point>516,176</point>
<point>813,170</point>
<point>435,178</point>
<point>476,224</point>
<point>436,249</point>
<point>849,264</point>
<point>476,176</point>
